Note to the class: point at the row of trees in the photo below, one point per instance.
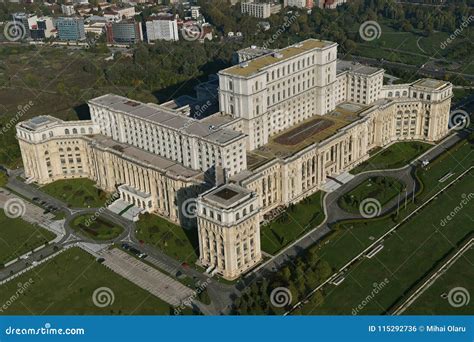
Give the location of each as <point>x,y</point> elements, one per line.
<point>300,276</point>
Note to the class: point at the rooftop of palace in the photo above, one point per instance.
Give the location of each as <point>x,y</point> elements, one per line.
<point>167,118</point>
<point>430,84</point>
<point>258,64</point>
<point>311,131</point>
<point>145,158</point>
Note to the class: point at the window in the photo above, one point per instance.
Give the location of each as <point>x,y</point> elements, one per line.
<point>66,131</point>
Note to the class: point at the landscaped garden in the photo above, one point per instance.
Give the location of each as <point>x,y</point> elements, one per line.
<point>65,285</point>
<point>382,189</point>
<point>18,237</point>
<point>394,156</point>
<point>177,242</point>
<point>77,193</point>
<point>292,223</point>
<point>401,263</point>
<point>96,228</point>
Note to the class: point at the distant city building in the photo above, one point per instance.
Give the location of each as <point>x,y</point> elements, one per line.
<point>27,20</point>
<point>331,4</point>
<point>195,12</point>
<point>68,9</point>
<point>300,3</point>
<point>116,14</point>
<point>124,32</point>
<point>259,9</point>
<point>162,29</point>
<point>70,29</point>
<point>44,28</point>
<point>80,2</point>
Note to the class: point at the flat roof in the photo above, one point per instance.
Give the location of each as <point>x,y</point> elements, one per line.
<point>258,64</point>
<point>39,121</point>
<point>227,195</point>
<point>167,118</point>
<point>147,158</point>
<point>294,139</point>
<point>342,66</point>
<point>430,83</point>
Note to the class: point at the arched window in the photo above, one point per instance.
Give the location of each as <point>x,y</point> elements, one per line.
<point>390,94</point>
<point>66,131</point>
<point>90,130</point>
<point>74,131</point>
<point>405,93</point>
<point>46,153</point>
<point>44,136</point>
<point>51,134</point>
<point>397,94</point>
<point>68,149</point>
<point>76,148</point>
<point>61,150</point>
<point>83,131</point>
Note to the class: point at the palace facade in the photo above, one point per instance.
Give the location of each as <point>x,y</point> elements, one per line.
<point>287,121</point>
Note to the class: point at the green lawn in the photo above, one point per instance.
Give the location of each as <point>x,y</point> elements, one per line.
<point>177,242</point>
<point>460,274</point>
<point>394,156</point>
<point>349,238</point>
<point>77,193</point>
<point>65,286</point>
<point>18,237</point>
<point>407,256</point>
<point>382,189</point>
<point>294,222</point>
<point>97,228</point>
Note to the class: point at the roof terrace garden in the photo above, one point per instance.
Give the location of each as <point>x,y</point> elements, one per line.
<point>313,130</point>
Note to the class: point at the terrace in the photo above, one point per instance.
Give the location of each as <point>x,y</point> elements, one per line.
<point>313,130</point>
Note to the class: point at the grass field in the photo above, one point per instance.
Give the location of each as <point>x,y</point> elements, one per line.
<point>97,229</point>
<point>406,257</point>
<point>394,156</point>
<point>65,286</point>
<point>18,237</point>
<point>349,238</point>
<point>460,274</point>
<point>293,223</point>
<point>382,189</point>
<point>77,193</point>
<point>177,242</point>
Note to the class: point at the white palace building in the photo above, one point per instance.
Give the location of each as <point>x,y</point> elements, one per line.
<point>287,120</point>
